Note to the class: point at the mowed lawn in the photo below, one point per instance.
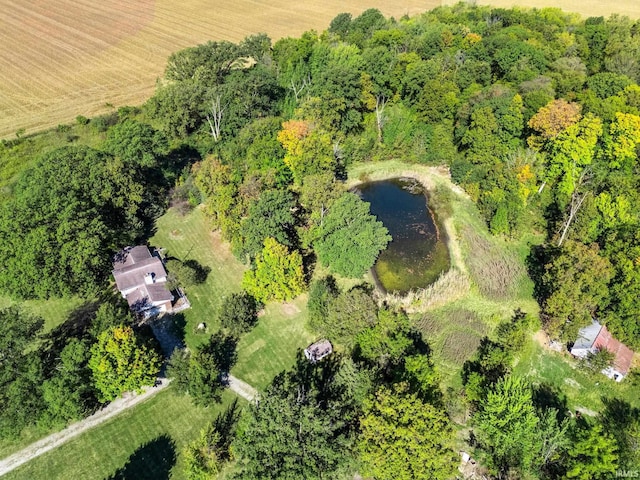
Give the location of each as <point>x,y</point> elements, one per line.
<point>273,344</point>
<point>281,330</point>
<point>148,439</point>
<point>190,237</point>
<point>53,311</point>
<point>582,388</point>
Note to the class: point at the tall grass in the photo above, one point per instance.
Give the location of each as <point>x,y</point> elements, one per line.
<point>495,270</point>
<point>450,286</point>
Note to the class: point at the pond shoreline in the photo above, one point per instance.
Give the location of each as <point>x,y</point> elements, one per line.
<point>419,253</point>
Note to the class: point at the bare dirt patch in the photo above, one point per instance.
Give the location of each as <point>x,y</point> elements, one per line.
<point>289,309</point>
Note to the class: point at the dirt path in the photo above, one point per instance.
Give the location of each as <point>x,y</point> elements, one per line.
<point>241,388</point>
<point>54,440</point>
<point>116,407</point>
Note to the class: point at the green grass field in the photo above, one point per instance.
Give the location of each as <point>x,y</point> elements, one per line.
<point>148,439</point>
<point>190,238</point>
<point>53,311</point>
<point>582,388</point>
<point>281,330</point>
<point>272,345</point>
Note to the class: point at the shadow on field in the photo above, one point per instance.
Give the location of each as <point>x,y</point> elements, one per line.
<point>152,461</point>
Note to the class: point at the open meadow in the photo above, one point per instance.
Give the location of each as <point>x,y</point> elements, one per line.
<point>60,59</point>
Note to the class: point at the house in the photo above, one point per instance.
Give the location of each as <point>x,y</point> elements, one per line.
<point>141,279</point>
<point>596,337</point>
<point>318,350</point>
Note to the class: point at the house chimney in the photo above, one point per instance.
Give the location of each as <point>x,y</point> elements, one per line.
<point>149,278</point>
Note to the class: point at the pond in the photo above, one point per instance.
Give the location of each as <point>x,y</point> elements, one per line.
<point>418,253</point>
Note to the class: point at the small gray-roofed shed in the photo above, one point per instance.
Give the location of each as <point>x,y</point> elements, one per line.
<point>587,336</point>
<point>318,350</point>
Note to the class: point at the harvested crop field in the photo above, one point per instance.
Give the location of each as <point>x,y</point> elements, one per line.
<point>586,8</point>
<point>63,58</point>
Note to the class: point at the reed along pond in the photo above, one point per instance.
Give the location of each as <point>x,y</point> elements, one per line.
<point>418,253</point>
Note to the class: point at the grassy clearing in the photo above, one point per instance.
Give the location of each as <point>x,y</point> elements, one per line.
<point>272,345</point>
<point>189,238</point>
<point>582,388</point>
<point>496,271</point>
<point>53,311</point>
<point>281,330</point>
<point>453,335</point>
<point>150,437</point>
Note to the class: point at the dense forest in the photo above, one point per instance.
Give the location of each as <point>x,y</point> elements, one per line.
<point>536,114</point>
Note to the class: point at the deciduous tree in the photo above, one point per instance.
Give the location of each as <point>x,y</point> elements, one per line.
<point>403,438</point>
<point>351,238</point>
<point>200,374</point>
<point>575,285</point>
<point>238,313</point>
<point>67,213</point>
<point>271,216</point>
<point>592,454</point>
<point>278,274</point>
<point>507,426</point>
<point>121,362</point>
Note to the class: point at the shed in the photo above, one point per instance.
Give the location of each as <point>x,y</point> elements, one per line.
<point>317,351</point>
<point>596,337</point>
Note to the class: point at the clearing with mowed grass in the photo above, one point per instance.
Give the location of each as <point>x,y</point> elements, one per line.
<point>63,59</point>
<point>144,442</point>
<point>281,330</point>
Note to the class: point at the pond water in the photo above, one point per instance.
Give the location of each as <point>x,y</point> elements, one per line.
<point>418,254</point>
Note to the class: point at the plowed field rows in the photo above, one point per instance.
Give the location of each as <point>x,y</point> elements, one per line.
<point>586,8</point>
<point>62,58</point>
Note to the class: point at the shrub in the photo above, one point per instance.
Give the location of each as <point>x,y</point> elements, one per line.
<point>239,313</point>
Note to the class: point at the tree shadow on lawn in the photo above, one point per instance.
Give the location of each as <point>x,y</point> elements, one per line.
<point>547,396</point>
<point>201,271</point>
<point>75,326</point>
<point>153,460</point>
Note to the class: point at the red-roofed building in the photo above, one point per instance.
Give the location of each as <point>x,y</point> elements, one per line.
<point>596,337</point>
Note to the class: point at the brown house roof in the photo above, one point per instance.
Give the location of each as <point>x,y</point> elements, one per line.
<point>623,354</point>
<point>147,295</point>
<point>132,275</point>
<point>130,255</point>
